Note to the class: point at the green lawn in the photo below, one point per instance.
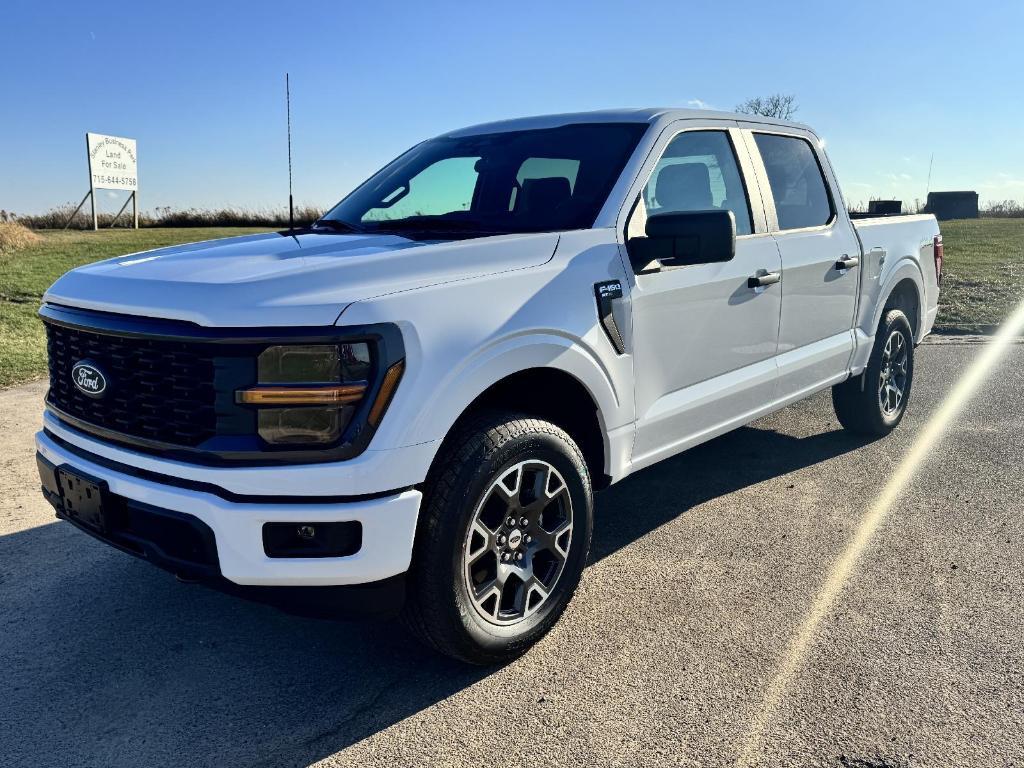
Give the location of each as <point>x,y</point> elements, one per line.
<point>983,276</point>
<point>26,274</point>
<point>984,279</point>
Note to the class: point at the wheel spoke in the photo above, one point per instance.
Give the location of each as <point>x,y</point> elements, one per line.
<point>508,486</point>
<point>559,485</point>
<point>484,596</point>
<point>533,588</point>
<point>480,544</point>
<point>552,540</point>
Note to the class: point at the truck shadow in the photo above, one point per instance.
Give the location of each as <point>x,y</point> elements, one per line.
<point>744,457</point>
<point>107,661</point>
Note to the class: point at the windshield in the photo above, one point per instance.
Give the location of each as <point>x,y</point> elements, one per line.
<point>517,181</point>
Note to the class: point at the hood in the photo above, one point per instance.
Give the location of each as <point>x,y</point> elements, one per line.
<point>285,280</point>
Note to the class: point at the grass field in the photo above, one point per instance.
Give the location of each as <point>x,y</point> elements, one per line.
<point>984,279</point>
<point>27,273</point>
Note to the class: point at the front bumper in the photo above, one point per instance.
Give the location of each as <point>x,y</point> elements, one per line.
<point>388,524</point>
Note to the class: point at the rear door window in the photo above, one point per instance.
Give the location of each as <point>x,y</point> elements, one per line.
<point>798,186</point>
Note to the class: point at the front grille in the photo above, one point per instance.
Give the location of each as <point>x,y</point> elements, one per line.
<point>156,389</point>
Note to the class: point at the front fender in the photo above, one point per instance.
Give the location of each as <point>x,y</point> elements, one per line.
<point>463,337</point>
<point>513,355</point>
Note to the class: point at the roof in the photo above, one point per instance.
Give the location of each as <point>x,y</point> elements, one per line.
<point>648,115</point>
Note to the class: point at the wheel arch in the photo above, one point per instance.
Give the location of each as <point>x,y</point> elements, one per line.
<point>554,395</point>
<point>906,297</point>
<point>904,289</point>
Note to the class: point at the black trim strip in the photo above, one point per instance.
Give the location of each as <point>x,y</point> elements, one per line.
<point>238,450</point>
<point>607,292</point>
<point>216,490</point>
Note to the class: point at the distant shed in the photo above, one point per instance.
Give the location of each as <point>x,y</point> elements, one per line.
<point>953,205</point>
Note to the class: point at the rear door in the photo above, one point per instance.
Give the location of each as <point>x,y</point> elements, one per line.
<point>820,254</point>
<point>703,339</point>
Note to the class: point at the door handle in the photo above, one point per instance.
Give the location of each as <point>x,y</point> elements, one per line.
<point>847,262</point>
<point>763,280</point>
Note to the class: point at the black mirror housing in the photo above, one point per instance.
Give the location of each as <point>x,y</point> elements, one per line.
<point>685,238</point>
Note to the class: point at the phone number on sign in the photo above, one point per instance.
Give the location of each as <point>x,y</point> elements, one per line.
<point>123,181</point>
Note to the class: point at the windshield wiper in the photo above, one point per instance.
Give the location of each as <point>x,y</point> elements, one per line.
<point>337,225</point>
<point>430,225</point>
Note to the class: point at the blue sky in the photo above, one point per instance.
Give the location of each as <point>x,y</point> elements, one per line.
<point>201,86</point>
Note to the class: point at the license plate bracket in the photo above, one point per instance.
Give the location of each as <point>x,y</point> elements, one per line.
<point>83,499</point>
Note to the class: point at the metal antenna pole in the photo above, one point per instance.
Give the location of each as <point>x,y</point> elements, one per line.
<point>928,188</point>
<point>288,105</point>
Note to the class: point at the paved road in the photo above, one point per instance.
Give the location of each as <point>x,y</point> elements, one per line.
<point>703,569</point>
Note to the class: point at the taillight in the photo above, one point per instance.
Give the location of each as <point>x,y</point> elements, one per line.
<point>939,251</point>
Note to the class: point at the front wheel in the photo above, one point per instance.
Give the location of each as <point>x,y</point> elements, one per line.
<point>504,535</point>
<point>874,402</point>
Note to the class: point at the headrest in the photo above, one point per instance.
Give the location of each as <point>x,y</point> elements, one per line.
<point>542,195</point>
<point>684,187</point>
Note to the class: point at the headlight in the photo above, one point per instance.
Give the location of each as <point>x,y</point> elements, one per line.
<point>308,393</point>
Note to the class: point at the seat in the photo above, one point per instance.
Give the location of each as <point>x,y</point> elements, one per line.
<point>541,196</point>
<point>684,187</point>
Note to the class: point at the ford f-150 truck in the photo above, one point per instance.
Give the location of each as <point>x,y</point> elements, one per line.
<point>407,406</point>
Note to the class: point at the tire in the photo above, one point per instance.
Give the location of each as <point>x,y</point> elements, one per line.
<point>463,599</point>
<point>874,402</point>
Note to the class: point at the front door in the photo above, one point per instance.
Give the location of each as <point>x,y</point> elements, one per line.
<point>704,340</point>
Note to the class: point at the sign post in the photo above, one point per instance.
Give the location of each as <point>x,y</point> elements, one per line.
<point>113,164</point>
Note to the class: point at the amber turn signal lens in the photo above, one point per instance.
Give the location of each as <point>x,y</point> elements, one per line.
<point>387,389</point>
<point>340,394</point>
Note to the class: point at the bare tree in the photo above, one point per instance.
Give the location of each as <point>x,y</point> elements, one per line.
<point>781,106</point>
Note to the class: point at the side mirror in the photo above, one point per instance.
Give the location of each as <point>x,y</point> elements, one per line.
<point>680,239</point>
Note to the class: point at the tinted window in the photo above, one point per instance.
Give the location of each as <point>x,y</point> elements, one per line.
<point>515,181</point>
<point>798,188</point>
<point>698,172</point>
<point>446,186</point>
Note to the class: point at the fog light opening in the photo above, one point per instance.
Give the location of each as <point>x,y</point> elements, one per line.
<point>312,539</point>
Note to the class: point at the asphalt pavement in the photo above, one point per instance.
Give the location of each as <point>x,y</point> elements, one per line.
<point>704,568</point>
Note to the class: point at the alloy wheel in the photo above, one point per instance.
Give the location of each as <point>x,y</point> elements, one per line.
<point>892,379</point>
<point>518,542</point>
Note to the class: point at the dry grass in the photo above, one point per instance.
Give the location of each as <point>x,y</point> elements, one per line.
<point>57,218</point>
<point>14,236</point>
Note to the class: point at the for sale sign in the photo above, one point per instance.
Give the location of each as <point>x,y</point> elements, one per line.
<point>113,163</point>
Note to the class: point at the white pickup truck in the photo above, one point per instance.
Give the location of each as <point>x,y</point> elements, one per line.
<point>408,405</point>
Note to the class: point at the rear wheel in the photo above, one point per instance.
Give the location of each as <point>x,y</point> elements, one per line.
<point>504,536</point>
<point>874,402</point>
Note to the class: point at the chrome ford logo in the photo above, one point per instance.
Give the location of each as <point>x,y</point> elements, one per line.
<point>89,379</point>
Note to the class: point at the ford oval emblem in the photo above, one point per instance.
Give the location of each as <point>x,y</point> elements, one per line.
<point>88,378</point>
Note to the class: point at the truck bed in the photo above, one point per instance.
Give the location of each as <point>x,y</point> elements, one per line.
<point>886,243</point>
